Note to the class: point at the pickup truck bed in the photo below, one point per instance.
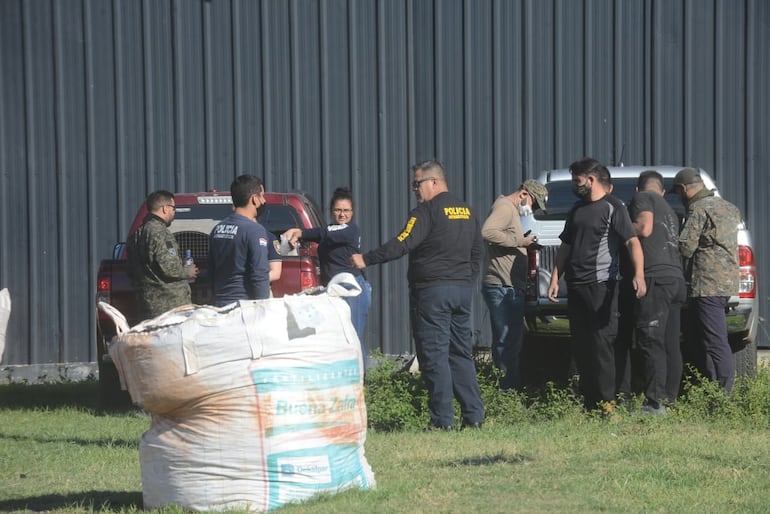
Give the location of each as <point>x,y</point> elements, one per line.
<point>196,215</point>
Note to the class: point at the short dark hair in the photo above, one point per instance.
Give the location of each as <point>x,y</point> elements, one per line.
<point>649,179</point>
<point>341,193</point>
<point>589,166</point>
<point>158,199</point>
<point>430,165</point>
<point>243,187</point>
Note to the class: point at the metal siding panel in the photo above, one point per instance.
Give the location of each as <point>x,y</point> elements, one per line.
<point>698,131</point>
<point>731,106</point>
<point>189,97</point>
<point>312,95</point>
<point>598,90</point>
<point>307,150</point>
<point>276,80</point>
<point>219,113</point>
<point>15,241</point>
<point>450,60</point>
<point>364,142</point>
<point>631,83</point>
<point>758,158</point>
<point>336,167</point>
<point>392,182</point>
<point>423,81</point>
<point>478,97</point>
<point>248,92</point>
<point>42,181</point>
<point>130,108</point>
<point>158,72</point>
<point>73,180</point>
<point>570,86</point>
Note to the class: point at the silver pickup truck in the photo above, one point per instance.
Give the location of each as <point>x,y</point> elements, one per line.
<point>546,322</point>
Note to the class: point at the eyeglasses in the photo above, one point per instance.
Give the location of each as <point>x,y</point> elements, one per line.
<point>416,183</point>
<point>342,211</point>
<point>173,207</point>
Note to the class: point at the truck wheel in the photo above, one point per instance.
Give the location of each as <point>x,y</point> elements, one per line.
<point>746,360</point>
<point>111,396</point>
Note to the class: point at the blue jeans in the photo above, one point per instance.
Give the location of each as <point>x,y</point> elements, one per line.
<point>359,311</point>
<point>506,312</point>
<point>441,326</point>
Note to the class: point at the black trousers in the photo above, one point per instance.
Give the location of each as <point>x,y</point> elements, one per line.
<point>593,321</point>
<point>657,330</point>
<point>706,339</point>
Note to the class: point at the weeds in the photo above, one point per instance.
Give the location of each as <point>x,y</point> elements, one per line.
<point>397,400</point>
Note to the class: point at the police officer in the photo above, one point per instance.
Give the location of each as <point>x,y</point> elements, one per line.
<point>709,244</point>
<point>238,257</point>
<point>443,240</point>
<point>154,262</point>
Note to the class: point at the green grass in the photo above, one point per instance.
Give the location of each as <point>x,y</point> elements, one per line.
<point>710,454</point>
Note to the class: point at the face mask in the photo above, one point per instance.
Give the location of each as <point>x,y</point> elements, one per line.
<point>525,210</point>
<point>581,191</point>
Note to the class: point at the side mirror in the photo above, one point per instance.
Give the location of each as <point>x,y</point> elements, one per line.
<point>117,252</point>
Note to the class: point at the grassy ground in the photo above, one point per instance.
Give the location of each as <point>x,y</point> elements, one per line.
<point>58,454</point>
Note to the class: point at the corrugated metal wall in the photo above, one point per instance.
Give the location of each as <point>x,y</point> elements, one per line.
<point>103,101</point>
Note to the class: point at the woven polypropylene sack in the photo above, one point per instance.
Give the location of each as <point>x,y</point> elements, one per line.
<point>253,405</point>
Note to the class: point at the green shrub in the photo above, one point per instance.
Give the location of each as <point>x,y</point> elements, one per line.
<point>395,399</point>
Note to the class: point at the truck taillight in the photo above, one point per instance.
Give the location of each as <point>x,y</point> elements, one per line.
<point>103,289</point>
<point>748,272</point>
<point>308,279</point>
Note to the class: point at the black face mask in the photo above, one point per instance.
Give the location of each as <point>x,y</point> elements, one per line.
<point>581,191</point>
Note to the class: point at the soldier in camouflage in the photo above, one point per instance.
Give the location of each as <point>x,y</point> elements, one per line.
<point>154,263</point>
<point>709,245</point>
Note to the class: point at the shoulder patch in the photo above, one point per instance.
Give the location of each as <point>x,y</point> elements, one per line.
<point>277,246</point>
<point>263,241</point>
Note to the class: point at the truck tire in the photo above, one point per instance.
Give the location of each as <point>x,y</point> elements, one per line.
<point>746,360</point>
<point>111,396</point>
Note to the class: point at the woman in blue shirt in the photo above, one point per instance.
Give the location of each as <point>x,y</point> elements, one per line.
<point>336,243</point>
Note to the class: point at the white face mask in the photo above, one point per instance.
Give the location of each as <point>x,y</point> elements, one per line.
<point>525,210</point>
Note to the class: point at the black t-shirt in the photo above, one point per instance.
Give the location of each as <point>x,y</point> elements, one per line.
<point>596,231</point>
<point>661,248</point>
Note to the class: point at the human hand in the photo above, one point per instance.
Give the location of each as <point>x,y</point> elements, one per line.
<point>292,236</point>
<point>357,261</point>
<point>553,291</point>
<point>192,271</point>
<point>640,286</point>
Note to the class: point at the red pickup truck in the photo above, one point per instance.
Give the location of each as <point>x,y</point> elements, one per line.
<point>196,215</point>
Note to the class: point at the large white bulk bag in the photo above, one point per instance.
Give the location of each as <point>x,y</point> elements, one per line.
<point>5,313</point>
<point>253,405</point>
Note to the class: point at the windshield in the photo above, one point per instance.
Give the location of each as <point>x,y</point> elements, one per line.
<point>561,198</point>
<point>276,218</point>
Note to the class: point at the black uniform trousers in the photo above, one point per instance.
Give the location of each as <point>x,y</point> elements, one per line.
<point>593,321</point>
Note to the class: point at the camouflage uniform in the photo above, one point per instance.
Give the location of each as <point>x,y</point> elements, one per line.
<point>155,267</point>
<point>709,244</point>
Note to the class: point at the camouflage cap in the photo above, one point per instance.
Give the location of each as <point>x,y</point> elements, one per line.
<point>687,176</point>
<point>537,191</point>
